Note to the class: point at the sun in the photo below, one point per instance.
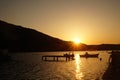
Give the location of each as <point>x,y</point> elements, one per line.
<point>76,41</point>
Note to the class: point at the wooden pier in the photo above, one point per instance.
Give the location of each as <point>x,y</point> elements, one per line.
<point>56,57</point>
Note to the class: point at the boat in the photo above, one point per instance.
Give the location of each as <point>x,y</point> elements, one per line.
<point>86,55</point>
<point>4,55</point>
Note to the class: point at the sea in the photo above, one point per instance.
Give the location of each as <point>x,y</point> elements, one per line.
<point>30,66</point>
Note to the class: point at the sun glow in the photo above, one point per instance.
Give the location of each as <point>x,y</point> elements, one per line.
<point>77,41</point>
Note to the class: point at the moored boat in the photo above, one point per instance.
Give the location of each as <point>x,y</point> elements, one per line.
<point>86,55</point>
<point>4,55</point>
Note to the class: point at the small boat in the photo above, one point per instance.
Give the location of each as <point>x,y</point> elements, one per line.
<point>90,55</point>
<point>4,55</point>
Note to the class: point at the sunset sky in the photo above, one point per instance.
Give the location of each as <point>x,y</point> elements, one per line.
<point>91,21</point>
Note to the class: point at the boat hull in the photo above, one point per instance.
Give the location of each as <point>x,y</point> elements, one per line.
<point>90,55</point>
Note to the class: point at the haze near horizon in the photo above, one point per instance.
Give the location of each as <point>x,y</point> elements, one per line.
<point>90,21</point>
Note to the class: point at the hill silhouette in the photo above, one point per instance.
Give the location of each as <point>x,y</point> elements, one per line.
<point>20,39</point>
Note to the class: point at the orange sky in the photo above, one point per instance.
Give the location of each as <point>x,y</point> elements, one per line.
<point>92,21</point>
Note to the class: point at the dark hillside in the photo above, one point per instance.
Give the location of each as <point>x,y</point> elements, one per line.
<point>17,38</point>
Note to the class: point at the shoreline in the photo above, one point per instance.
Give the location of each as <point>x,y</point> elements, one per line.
<point>107,75</point>
<point>112,73</point>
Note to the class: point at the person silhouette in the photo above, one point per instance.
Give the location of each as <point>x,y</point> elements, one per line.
<point>86,53</point>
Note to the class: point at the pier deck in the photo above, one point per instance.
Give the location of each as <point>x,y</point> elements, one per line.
<point>55,57</point>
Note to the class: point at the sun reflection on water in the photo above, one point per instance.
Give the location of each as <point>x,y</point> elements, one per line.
<point>79,74</point>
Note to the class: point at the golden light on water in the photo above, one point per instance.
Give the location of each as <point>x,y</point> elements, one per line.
<point>79,74</point>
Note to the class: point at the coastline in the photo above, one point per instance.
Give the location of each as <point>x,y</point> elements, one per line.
<point>113,71</point>
<point>107,75</point>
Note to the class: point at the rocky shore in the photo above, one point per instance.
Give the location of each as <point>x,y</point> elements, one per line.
<point>113,71</point>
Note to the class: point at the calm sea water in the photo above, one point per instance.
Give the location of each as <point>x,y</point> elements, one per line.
<point>30,66</point>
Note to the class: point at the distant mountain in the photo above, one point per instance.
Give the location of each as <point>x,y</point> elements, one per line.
<point>104,47</point>
<point>20,39</point>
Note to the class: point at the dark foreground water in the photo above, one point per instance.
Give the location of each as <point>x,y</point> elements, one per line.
<point>29,66</point>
